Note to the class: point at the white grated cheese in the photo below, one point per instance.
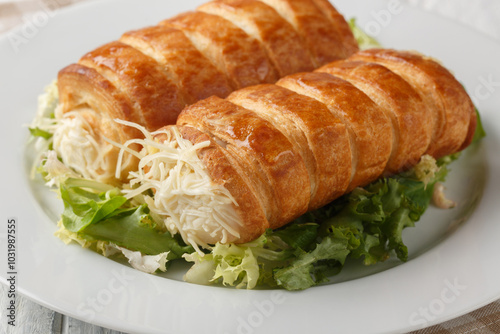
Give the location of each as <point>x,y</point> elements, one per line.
<point>83,149</point>
<point>185,198</point>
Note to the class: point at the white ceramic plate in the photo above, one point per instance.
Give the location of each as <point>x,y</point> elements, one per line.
<point>453,268</point>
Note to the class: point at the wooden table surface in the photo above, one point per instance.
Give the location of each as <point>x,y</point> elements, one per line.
<point>32,318</point>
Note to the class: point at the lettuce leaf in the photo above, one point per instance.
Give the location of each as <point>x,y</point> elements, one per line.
<point>364,40</point>
<point>480,132</point>
<point>310,268</point>
<point>134,229</point>
<point>83,207</point>
<point>98,212</point>
<point>37,132</point>
<point>229,264</point>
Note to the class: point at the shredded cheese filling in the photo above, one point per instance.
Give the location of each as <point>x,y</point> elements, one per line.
<point>81,149</point>
<point>185,198</point>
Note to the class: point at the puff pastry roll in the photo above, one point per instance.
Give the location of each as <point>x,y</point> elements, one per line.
<point>440,91</point>
<point>149,75</point>
<point>269,153</point>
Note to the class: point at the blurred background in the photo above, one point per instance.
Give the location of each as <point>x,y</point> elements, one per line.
<point>482,15</point>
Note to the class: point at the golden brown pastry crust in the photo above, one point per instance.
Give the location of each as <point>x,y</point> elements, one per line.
<point>411,119</point>
<point>370,128</point>
<point>227,172</point>
<point>323,40</point>
<point>97,93</point>
<point>195,76</point>
<point>276,170</point>
<point>141,78</point>
<point>319,136</point>
<point>161,69</point>
<point>230,49</point>
<point>332,125</point>
<point>282,43</point>
<point>443,94</point>
<point>348,40</point>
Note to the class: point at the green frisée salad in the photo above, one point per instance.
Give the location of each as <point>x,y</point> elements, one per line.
<point>365,41</point>
<point>364,225</point>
